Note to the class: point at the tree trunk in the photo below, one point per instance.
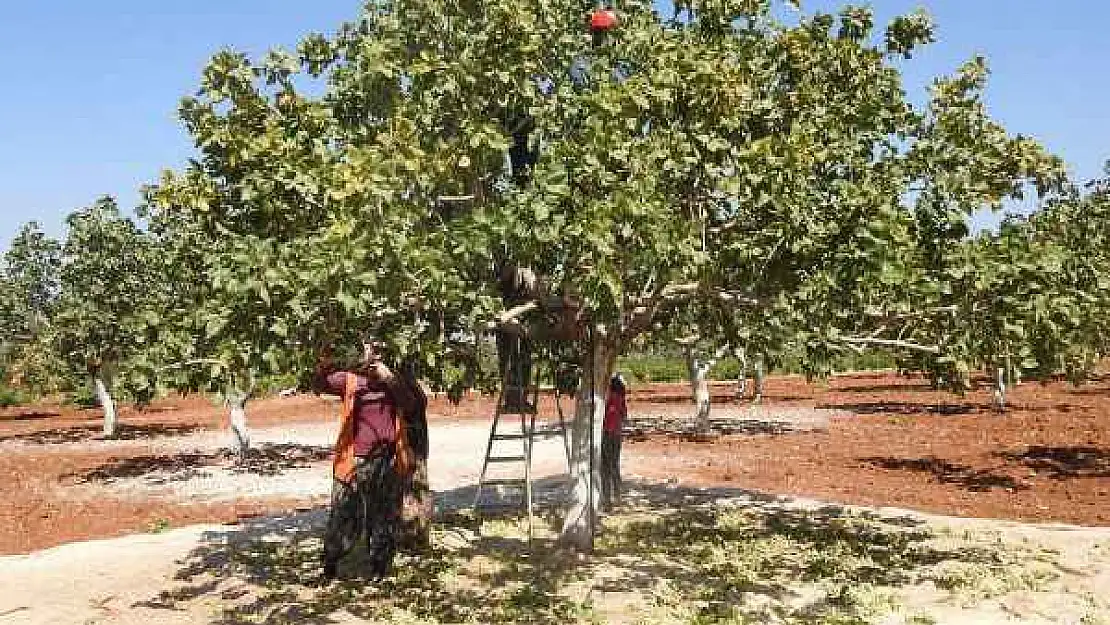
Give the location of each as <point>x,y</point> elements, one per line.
<point>237,416</point>
<point>1000,389</point>
<point>589,415</point>
<point>417,505</point>
<point>111,421</point>
<point>699,388</point>
<point>1013,374</point>
<point>417,509</point>
<point>757,395</point>
<point>742,379</point>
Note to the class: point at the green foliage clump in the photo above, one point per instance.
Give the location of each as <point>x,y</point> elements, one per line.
<point>83,396</point>
<point>647,368</point>
<point>11,397</point>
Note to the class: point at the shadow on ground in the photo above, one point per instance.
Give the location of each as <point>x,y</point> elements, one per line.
<point>669,555</point>
<point>1064,462</point>
<point>908,387</point>
<point>975,480</point>
<point>267,459</point>
<point>27,415</point>
<point>81,433</point>
<point>905,408</point>
<point>641,428</point>
<point>718,397</point>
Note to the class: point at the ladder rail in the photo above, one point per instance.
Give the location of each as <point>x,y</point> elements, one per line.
<point>492,437</point>
<point>513,400</point>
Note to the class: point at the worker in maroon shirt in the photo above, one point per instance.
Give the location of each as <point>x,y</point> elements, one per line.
<point>616,413</point>
<point>367,491</point>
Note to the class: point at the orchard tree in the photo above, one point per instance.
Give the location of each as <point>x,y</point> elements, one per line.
<point>28,289</point>
<point>1077,225</point>
<point>104,319</point>
<point>715,157</point>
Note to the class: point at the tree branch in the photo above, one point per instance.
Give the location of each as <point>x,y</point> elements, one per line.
<point>728,225</point>
<point>889,316</point>
<point>510,317</point>
<point>645,309</point>
<point>737,298</point>
<point>675,291</point>
<point>871,341</point>
<point>191,363</point>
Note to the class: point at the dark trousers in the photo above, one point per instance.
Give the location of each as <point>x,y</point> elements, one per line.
<point>370,504</point>
<point>610,468</point>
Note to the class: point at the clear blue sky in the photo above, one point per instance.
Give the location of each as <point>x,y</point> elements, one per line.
<point>88,99</point>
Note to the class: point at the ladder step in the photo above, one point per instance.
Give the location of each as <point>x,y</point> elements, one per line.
<point>506,459</point>
<point>511,481</point>
<point>538,432</point>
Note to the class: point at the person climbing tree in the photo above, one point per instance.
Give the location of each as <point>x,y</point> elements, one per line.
<point>372,460</point>
<point>616,413</point>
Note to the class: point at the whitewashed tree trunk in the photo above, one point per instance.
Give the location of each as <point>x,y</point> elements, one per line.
<point>1013,374</point>
<point>699,388</point>
<point>742,379</point>
<point>757,395</point>
<point>237,416</point>
<point>585,452</point>
<point>111,420</point>
<point>1000,389</point>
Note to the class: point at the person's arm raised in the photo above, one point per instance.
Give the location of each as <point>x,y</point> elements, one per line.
<point>403,396</point>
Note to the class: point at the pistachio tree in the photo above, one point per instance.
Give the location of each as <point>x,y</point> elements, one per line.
<point>1076,224</point>
<point>104,316</point>
<point>28,289</point>
<point>713,157</point>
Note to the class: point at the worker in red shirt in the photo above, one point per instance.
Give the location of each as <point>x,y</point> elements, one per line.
<point>616,413</point>
<point>368,467</point>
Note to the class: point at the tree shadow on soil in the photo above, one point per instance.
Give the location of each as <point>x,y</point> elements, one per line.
<point>28,415</point>
<point>975,480</point>
<point>716,398</point>
<point>1089,392</point>
<point>909,387</point>
<point>905,408</point>
<point>716,554</point>
<point>640,429</point>
<point>686,429</point>
<point>81,433</point>
<point>268,459</point>
<point>1063,462</point>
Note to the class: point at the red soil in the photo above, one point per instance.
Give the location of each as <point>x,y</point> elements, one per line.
<point>1046,459</point>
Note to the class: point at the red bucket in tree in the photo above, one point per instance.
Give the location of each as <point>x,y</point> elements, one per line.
<point>603,20</point>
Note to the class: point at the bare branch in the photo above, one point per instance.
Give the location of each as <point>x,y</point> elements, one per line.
<point>726,226</point>
<point>191,363</point>
<point>930,349</point>
<point>687,341</point>
<point>674,291</point>
<point>517,311</point>
<point>447,199</point>
<point>737,298</point>
<point>510,317</point>
<point>913,315</point>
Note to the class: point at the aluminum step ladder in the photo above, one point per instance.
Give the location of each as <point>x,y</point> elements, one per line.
<point>521,401</point>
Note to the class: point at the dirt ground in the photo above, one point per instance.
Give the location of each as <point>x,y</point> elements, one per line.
<point>869,439</point>
<point>897,442</point>
<point>194,537</point>
<point>669,555</point>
